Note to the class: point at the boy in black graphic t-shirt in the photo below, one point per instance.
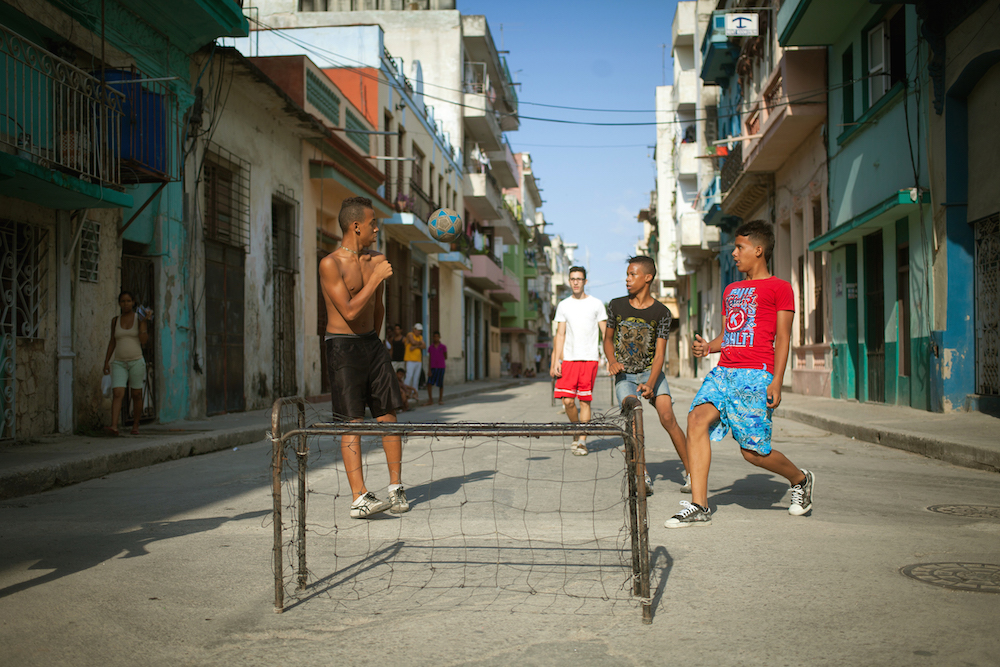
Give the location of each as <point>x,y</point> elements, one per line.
<point>636,347</point>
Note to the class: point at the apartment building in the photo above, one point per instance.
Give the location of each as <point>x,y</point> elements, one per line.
<point>457,75</point>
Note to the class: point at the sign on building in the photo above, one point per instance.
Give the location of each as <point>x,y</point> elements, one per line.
<point>742,25</point>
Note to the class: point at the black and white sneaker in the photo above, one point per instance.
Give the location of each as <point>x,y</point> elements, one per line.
<point>802,495</point>
<point>691,515</point>
<point>649,486</point>
<point>367,504</point>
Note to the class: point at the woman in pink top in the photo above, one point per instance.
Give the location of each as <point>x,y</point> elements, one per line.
<point>437,352</point>
<point>128,368</point>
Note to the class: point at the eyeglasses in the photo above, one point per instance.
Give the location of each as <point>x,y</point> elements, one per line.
<point>578,280</point>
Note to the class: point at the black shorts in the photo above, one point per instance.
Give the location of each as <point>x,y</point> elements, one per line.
<point>361,375</point>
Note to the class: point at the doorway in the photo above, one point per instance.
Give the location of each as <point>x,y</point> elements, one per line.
<point>875,316</point>
<point>224,293</point>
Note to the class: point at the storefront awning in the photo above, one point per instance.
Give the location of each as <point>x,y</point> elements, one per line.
<point>893,208</point>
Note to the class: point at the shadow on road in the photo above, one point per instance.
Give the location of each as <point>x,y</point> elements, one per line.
<point>85,553</point>
<point>753,492</point>
<point>662,570</point>
<point>445,486</point>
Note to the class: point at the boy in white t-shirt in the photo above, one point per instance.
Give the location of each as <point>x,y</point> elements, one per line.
<point>579,318</point>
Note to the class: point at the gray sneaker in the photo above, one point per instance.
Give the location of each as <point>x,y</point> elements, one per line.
<point>802,495</point>
<point>398,499</point>
<point>691,515</point>
<point>367,504</point>
<point>686,486</point>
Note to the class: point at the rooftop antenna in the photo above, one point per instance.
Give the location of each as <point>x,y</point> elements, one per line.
<point>664,62</point>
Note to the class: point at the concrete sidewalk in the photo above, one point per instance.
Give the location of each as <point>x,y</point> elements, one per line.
<point>970,439</point>
<point>60,460</point>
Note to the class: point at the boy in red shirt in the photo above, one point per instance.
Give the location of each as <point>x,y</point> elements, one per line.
<point>740,393</point>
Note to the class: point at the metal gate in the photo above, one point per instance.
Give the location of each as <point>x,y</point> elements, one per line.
<point>987,233</point>
<point>285,259</point>
<point>284,333</point>
<point>138,277</point>
<point>875,317</point>
<point>224,272</point>
<point>23,282</point>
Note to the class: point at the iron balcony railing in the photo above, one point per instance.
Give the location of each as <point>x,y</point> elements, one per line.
<point>732,167</point>
<point>422,206</point>
<point>57,115</point>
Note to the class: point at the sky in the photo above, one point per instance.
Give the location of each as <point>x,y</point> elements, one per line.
<point>596,55</point>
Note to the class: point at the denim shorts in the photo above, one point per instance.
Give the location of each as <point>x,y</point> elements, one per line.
<point>740,395</point>
<point>626,384</point>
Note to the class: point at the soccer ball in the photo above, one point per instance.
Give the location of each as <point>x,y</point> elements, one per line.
<point>445,225</point>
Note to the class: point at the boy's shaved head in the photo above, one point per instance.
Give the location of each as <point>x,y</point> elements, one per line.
<point>760,233</point>
<point>647,264</point>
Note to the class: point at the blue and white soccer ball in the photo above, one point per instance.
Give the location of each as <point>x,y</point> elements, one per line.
<point>445,225</point>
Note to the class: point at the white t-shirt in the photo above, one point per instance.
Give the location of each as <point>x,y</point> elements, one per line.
<point>581,317</point>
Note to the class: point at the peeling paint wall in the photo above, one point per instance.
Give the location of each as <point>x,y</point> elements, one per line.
<point>255,128</point>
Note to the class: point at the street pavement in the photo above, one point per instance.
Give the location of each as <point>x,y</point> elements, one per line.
<point>511,553</point>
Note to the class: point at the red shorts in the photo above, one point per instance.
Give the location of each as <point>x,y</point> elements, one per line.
<point>577,380</point>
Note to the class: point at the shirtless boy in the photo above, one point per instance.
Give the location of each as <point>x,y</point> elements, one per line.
<point>359,364</point>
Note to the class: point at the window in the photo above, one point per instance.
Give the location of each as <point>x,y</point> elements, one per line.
<point>227,198</point>
<point>878,64</point>
<point>847,77</point>
<point>819,298</point>
<point>886,43</point>
<point>430,184</point>
<point>388,154</point>
<point>90,251</point>
<point>284,238</point>
<point>418,168</point>
<point>400,143</point>
<point>23,279</point>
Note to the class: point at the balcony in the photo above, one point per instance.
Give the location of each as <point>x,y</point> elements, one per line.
<point>420,204</point>
<point>482,196</point>
<point>792,107</point>
<point>509,290</point>
<point>684,26</point>
<point>506,227</point>
<point>689,230</point>
<point>685,90</point>
<point>718,54</point>
<point>481,122</point>
<point>686,159</point>
<point>408,228</point>
<point>485,274</point>
<point>503,166</point>
<point>479,47</point>
<point>456,260</point>
<point>806,23</point>
<point>742,191</point>
<point>57,118</point>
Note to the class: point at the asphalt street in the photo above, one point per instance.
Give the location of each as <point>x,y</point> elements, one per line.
<point>513,552</point>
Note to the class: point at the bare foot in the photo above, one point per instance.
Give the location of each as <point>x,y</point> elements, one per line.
<point>429,403</point>
<point>135,430</point>
<point>111,431</point>
<point>441,402</point>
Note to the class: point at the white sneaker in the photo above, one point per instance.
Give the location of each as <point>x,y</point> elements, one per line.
<point>367,504</point>
<point>686,486</point>
<point>802,495</point>
<point>398,499</point>
<point>691,515</point>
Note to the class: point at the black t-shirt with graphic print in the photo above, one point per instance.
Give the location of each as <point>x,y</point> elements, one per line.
<point>636,331</point>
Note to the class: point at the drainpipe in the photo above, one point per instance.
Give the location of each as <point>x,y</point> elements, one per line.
<point>64,302</point>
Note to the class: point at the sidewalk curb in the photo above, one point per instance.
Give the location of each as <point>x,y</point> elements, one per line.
<point>944,450</point>
<point>28,480</point>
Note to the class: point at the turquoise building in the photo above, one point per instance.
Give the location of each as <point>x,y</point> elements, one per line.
<point>880,235</point>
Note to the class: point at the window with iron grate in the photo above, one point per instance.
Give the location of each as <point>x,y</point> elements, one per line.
<point>90,251</point>
<point>227,198</point>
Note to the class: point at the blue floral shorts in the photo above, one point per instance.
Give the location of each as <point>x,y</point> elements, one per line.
<point>740,395</point>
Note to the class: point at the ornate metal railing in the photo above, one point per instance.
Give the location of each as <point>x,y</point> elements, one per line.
<point>57,115</point>
<point>732,167</point>
<point>422,206</point>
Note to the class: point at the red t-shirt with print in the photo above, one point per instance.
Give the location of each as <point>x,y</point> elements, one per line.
<point>750,319</point>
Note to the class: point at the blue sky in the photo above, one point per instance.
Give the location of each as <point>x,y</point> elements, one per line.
<point>596,55</point>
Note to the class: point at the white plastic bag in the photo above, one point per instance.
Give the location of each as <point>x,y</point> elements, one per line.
<point>106,386</point>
